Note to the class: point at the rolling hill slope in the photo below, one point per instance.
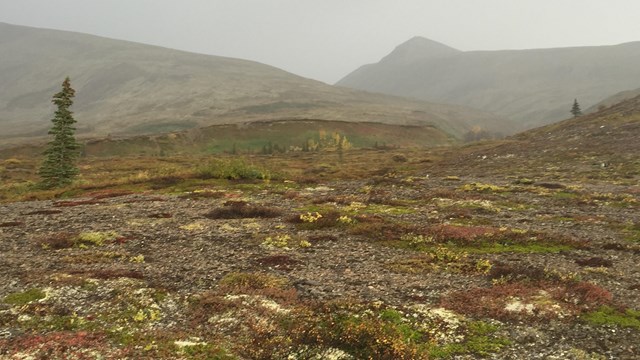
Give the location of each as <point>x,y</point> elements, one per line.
<point>602,145</point>
<point>126,88</point>
<point>530,87</point>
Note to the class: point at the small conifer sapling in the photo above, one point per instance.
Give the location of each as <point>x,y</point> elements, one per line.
<point>58,168</point>
<point>575,109</point>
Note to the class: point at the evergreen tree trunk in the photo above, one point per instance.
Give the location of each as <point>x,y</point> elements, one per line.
<point>58,168</point>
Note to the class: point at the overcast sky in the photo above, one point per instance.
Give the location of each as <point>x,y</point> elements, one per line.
<point>327,39</point>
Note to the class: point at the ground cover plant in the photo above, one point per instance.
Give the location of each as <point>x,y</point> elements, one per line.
<point>380,253</point>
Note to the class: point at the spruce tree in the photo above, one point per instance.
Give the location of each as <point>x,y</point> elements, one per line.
<point>58,168</point>
<point>575,109</point>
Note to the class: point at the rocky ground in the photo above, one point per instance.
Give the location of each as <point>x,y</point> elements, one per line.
<point>445,261</point>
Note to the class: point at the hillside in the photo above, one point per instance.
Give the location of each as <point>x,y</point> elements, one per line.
<point>598,146</point>
<point>126,88</point>
<point>613,100</point>
<point>529,87</point>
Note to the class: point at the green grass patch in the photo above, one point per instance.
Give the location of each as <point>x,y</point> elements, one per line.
<point>480,341</point>
<point>609,316</point>
<point>23,298</point>
<point>516,248</point>
<point>632,232</point>
<point>565,195</point>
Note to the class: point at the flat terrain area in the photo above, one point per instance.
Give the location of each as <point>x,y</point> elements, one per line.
<point>463,253</point>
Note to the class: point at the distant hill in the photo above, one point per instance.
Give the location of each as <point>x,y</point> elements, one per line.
<point>614,99</point>
<point>611,132</point>
<point>529,87</point>
<point>600,145</point>
<point>126,88</point>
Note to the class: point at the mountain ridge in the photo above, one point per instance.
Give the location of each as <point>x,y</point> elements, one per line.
<point>531,87</point>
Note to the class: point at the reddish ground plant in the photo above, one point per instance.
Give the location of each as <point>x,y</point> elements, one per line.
<point>519,272</point>
<point>342,200</point>
<point>72,203</point>
<point>123,239</point>
<point>165,181</point>
<point>532,301</point>
<point>44,212</point>
<point>381,230</point>
<point>279,262</point>
<point>547,185</point>
<point>595,261</point>
<point>460,234</point>
<point>160,215</point>
<point>106,194</point>
<point>203,195</point>
<point>149,199</point>
<point>59,345</point>
<point>614,246</point>
<point>320,238</point>
<point>242,210</point>
<point>62,240</point>
<point>291,194</point>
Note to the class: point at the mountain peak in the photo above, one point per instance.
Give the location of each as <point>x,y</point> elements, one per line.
<point>418,48</point>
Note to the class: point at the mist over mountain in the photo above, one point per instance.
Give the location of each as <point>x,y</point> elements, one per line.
<point>129,88</point>
<point>530,87</point>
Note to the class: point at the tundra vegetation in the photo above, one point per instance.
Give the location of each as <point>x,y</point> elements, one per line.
<point>515,248</point>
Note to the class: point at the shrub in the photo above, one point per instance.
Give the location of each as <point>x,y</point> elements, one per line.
<point>242,210</point>
<point>234,169</point>
<point>279,262</point>
<point>595,261</point>
<point>58,241</point>
<point>540,300</point>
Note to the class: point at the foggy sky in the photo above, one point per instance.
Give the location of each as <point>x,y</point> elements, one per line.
<point>327,39</point>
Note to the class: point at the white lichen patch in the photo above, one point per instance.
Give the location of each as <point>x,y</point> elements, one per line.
<point>444,326</point>
<point>227,319</point>
<point>272,306</point>
<point>256,300</point>
<point>306,352</point>
<point>194,341</point>
<point>518,306</point>
<point>24,318</point>
<point>473,203</point>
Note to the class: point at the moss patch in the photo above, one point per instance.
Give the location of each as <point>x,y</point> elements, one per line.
<point>609,316</point>
<point>23,298</point>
